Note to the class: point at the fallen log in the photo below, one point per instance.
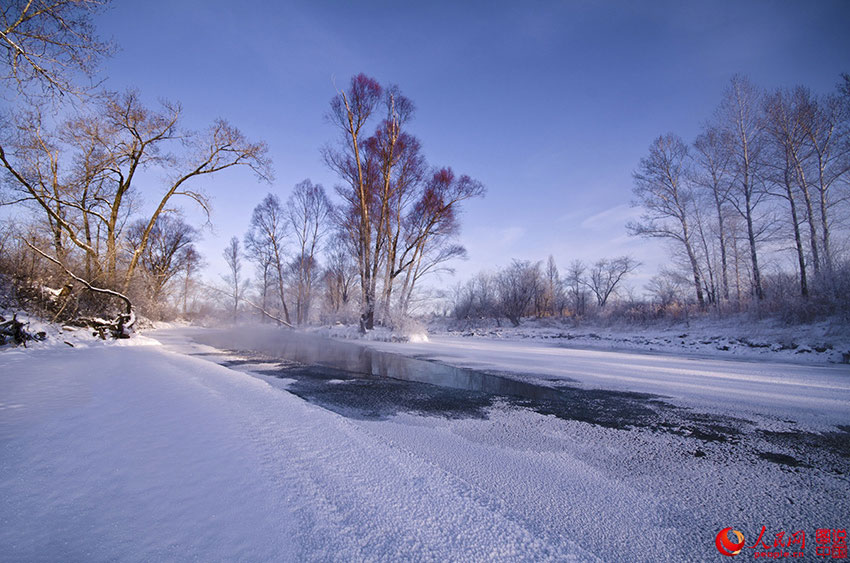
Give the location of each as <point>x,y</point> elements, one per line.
<point>119,327</point>
<point>269,315</point>
<point>14,331</point>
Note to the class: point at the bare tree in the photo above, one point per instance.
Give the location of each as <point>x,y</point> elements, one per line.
<point>576,283</point>
<point>400,224</point>
<point>169,244</point>
<point>237,285</point>
<point>339,276</point>
<point>477,298</point>
<point>785,168</point>
<point>705,245</point>
<point>739,117</point>
<point>45,43</point>
<point>269,230</point>
<point>789,115</point>
<point>714,176</point>
<point>825,129</point>
<point>662,189</point>
<point>351,110</point>
<point>667,288</point>
<point>109,147</point>
<point>518,285</point>
<point>430,230</point>
<point>260,252</point>
<point>607,274</point>
<point>403,190</point>
<point>308,212</point>
<point>552,302</point>
<point>192,263</point>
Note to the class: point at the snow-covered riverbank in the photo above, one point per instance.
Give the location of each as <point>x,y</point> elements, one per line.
<point>733,337</point>
<point>811,394</point>
<point>185,452</point>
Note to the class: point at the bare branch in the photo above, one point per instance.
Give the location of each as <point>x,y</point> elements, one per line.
<point>129,317</point>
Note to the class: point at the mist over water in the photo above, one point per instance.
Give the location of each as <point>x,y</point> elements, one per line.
<point>311,349</point>
<point>380,384</point>
<point>440,389</point>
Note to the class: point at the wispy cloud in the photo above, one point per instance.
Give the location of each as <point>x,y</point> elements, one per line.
<point>571,216</point>
<point>510,235</point>
<point>613,217</point>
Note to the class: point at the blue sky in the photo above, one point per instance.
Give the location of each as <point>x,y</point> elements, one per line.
<point>549,104</point>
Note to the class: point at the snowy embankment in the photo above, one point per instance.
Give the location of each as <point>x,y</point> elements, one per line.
<point>733,337</point>
<point>142,454</point>
<point>816,395</point>
<point>52,335</point>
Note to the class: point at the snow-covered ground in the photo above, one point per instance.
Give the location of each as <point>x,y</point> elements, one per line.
<point>736,337</point>
<point>142,454</point>
<point>64,336</point>
<point>183,451</point>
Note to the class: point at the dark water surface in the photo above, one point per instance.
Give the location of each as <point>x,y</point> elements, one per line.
<point>360,382</point>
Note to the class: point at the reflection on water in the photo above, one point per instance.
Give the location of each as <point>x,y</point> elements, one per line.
<point>380,384</point>
<point>355,358</point>
<point>366,384</point>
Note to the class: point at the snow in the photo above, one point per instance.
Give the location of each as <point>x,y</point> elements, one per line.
<point>735,337</point>
<point>407,331</point>
<point>59,336</point>
<point>419,338</point>
<point>625,492</point>
<point>181,451</point>
<point>377,334</point>
<point>816,395</point>
<point>142,454</point>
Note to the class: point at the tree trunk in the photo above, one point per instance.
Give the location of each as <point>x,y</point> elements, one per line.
<point>798,240</point>
<point>722,235</point>
<point>697,278</point>
<point>807,198</point>
<point>827,252</point>
<point>751,236</point>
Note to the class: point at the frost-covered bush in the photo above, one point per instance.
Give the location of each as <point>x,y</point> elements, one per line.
<point>410,330</point>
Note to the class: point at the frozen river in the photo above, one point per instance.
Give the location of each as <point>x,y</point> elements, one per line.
<point>248,444</point>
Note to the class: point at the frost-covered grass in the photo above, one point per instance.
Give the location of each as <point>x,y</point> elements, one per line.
<point>825,342</point>
<point>741,337</point>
